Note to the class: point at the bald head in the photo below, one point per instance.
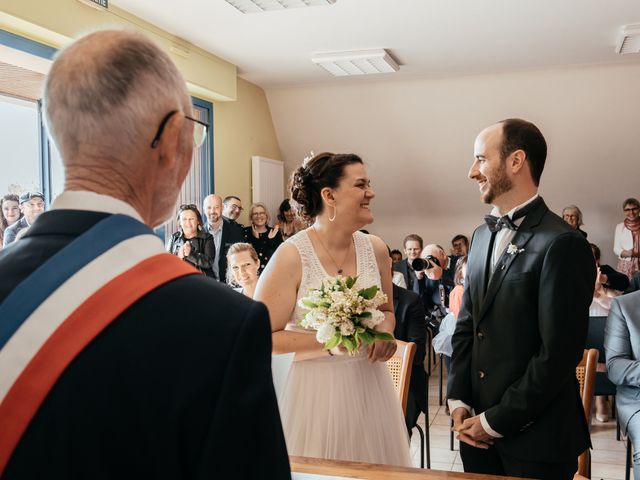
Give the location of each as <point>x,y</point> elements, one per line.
<point>212,208</point>
<point>105,98</point>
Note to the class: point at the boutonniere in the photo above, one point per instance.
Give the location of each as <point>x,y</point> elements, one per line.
<point>514,249</point>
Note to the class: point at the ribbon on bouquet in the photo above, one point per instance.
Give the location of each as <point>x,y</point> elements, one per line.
<point>51,316</point>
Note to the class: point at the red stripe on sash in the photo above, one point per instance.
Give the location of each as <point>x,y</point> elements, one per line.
<point>38,378</point>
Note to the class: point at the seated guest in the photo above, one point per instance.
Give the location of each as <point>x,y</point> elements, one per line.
<point>288,221</point>
<point>9,213</point>
<point>609,278</point>
<point>243,268</point>
<point>31,206</point>
<point>621,345</point>
<point>626,242</point>
<point>573,216</point>
<point>232,208</point>
<point>411,327</point>
<point>396,255</point>
<point>262,237</point>
<point>634,284</point>
<point>224,232</point>
<point>459,245</point>
<point>455,297</point>
<point>191,243</point>
<point>144,369</point>
<point>609,284</point>
<point>442,341</point>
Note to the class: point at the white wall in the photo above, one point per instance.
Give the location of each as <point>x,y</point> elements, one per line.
<point>417,139</point>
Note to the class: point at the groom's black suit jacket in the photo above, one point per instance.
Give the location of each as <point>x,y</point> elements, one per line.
<point>172,389</point>
<point>516,346</point>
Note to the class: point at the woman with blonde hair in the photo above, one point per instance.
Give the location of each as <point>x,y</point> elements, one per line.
<point>243,265</point>
<point>260,235</point>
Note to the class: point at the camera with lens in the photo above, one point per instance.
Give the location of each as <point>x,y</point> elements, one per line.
<point>419,264</point>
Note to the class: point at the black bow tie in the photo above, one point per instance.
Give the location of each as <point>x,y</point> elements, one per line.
<point>496,224</point>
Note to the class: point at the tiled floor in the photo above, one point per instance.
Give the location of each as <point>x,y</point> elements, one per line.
<point>608,455</point>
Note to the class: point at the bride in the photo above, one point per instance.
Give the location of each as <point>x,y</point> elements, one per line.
<point>334,405</point>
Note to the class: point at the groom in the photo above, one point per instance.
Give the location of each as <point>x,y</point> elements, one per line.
<point>521,331</point>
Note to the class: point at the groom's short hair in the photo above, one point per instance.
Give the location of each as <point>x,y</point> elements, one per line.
<point>518,134</point>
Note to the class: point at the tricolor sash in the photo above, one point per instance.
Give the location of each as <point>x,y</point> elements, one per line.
<point>51,316</point>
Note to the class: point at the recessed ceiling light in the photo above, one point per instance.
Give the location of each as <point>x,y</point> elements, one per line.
<point>629,41</point>
<point>253,6</point>
<point>363,62</point>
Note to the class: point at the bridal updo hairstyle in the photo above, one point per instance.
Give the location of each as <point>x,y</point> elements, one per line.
<point>322,171</point>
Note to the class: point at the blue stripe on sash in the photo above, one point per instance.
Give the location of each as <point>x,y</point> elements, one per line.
<point>33,290</point>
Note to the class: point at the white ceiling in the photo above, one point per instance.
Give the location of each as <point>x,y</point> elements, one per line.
<point>427,37</point>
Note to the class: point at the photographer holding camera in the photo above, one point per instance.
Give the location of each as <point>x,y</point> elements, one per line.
<point>428,269</point>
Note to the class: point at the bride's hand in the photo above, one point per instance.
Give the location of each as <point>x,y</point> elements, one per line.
<point>381,350</point>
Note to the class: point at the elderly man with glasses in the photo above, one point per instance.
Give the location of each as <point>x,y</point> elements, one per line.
<point>116,358</point>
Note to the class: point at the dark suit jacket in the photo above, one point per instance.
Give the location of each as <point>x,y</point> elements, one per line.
<point>516,346</point>
<point>231,233</point>
<point>411,327</point>
<point>170,390</point>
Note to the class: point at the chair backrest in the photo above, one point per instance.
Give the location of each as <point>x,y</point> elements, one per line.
<point>586,375</point>
<point>400,369</point>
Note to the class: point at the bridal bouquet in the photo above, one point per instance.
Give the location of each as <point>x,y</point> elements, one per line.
<point>343,314</point>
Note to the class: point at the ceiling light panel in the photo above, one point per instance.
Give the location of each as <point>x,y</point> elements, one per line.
<point>365,62</point>
<point>629,41</point>
<point>256,6</point>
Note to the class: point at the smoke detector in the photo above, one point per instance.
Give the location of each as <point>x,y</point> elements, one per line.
<point>629,41</point>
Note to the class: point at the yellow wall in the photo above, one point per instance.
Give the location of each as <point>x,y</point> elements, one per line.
<point>56,22</point>
<point>241,129</point>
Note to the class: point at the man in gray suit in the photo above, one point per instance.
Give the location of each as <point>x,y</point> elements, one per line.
<point>621,340</point>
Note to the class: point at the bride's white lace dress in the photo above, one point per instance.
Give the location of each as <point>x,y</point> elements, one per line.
<point>341,407</point>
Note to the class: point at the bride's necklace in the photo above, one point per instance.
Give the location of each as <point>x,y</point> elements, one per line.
<point>338,267</point>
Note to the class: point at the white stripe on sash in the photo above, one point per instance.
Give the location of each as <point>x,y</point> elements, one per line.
<point>50,314</point>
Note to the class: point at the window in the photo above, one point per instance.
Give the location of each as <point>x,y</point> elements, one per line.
<point>29,161</point>
<point>19,145</point>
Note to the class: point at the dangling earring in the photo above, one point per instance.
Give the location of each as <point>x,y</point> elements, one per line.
<point>335,212</point>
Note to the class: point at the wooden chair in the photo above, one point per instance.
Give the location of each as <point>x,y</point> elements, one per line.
<point>586,375</point>
<point>400,366</point>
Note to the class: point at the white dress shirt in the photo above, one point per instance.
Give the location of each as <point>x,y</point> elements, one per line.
<point>93,202</point>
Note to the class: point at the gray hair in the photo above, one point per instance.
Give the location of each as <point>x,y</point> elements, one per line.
<point>578,212</point>
<point>109,91</point>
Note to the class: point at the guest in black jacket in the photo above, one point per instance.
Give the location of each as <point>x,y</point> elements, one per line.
<point>411,327</point>
<point>191,243</point>
<point>263,238</point>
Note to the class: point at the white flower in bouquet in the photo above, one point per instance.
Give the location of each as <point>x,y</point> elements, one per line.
<point>343,314</point>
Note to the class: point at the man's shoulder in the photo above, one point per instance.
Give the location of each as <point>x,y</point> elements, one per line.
<point>629,300</point>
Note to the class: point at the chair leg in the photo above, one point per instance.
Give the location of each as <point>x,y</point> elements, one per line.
<point>421,433</point>
<point>440,386</point>
<point>617,429</point>
<point>451,437</point>
<point>428,440</point>
<point>627,471</point>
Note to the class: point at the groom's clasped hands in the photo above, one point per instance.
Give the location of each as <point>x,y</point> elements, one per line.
<point>469,429</point>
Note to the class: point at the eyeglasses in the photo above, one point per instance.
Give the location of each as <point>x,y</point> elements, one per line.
<point>199,130</point>
<point>259,214</point>
<point>188,206</point>
<point>633,209</point>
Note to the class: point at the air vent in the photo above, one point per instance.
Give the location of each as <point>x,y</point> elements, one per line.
<point>256,6</point>
<point>629,41</point>
<point>364,62</point>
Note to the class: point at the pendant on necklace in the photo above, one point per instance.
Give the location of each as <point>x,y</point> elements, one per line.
<point>340,272</point>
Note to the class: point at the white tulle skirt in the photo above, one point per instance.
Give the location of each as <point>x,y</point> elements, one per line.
<point>344,408</point>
